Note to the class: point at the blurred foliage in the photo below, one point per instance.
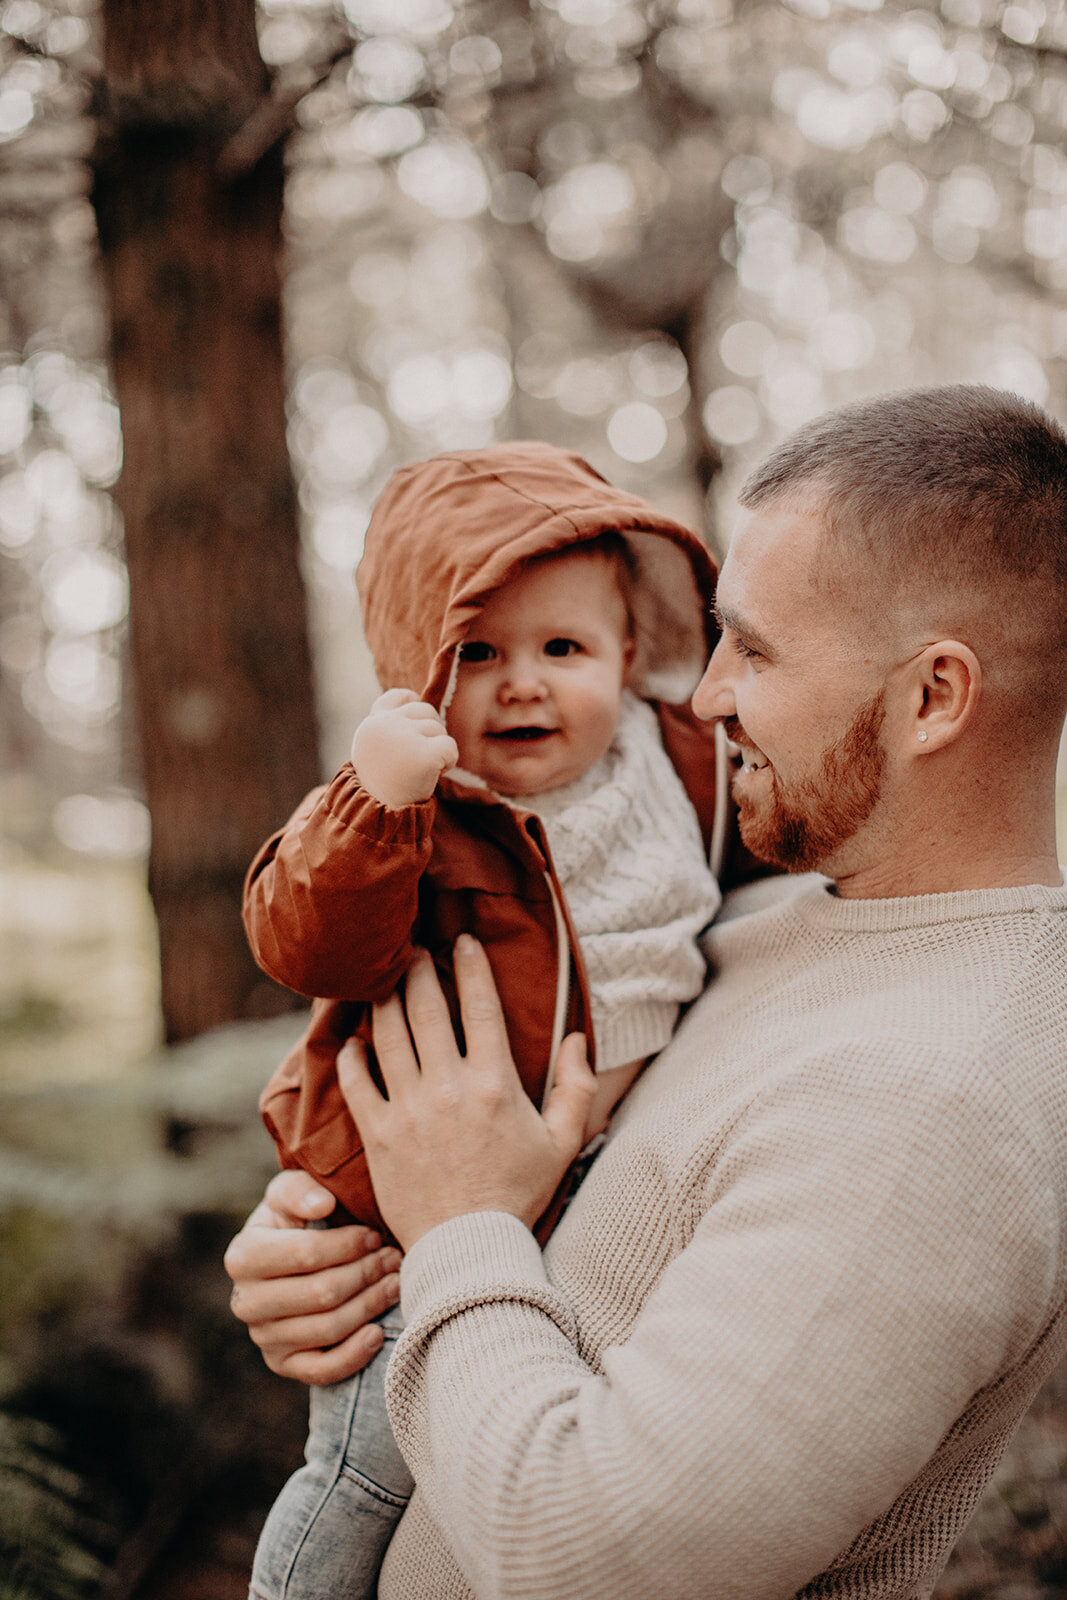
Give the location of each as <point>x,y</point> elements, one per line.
<point>128,1393</point>
<point>55,1536</point>
<point>661,232</point>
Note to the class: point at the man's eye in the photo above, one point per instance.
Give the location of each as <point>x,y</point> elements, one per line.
<point>562,647</point>
<point>745,650</point>
<point>476,650</point>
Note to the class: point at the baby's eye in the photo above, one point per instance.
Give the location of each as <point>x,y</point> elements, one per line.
<point>476,650</point>
<point>562,647</point>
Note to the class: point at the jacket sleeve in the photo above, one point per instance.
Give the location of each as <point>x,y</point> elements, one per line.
<point>790,1373</point>
<point>331,900</point>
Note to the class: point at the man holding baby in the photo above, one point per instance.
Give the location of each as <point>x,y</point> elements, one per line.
<point>786,1326</point>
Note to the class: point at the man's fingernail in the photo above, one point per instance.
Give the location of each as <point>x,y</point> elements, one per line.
<point>466,945</point>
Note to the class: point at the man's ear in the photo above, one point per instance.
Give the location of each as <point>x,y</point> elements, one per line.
<point>945,686</point>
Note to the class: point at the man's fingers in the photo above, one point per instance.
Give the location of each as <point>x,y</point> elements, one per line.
<point>316,1294</point>
<point>292,1199</point>
<point>324,1329</point>
<point>567,1107</point>
<point>271,1252</point>
<point>479,1004</point>
<point>429,1020</point>
<point>328,1366</point>
<point>361,1093</point>
<point>397,1060</point>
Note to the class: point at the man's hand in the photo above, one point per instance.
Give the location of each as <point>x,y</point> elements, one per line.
<point>401,748</point>
<point>459,1134</point>
<point>309,1295</point>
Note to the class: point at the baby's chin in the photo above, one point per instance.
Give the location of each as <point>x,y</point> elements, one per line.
<point>511,786</point>
<point>533,770</point>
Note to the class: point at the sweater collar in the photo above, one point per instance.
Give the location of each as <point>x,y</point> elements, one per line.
<point>815,901</point>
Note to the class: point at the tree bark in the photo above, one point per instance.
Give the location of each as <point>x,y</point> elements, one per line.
<point>219,651</point>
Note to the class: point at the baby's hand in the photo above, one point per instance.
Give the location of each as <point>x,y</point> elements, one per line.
<point>401,748</point>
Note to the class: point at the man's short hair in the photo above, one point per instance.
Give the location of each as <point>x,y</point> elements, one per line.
<point>961,485</point>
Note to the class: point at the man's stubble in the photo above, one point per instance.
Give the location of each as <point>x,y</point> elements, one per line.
<point>799,830</point>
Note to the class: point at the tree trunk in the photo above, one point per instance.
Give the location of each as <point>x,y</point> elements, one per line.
<point>219,654</point>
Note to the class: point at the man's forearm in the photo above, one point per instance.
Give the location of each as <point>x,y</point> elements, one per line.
<point>545,1474</point>
<point>789,1373</point>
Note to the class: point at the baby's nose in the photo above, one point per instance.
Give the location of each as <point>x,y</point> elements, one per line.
<point>523,682</point>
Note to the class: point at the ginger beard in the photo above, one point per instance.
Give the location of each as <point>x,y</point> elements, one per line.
<point>799,828</point>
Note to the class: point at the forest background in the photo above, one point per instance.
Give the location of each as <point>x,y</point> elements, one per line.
<point>251,260</point>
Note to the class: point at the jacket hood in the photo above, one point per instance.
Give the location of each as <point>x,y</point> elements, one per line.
<point>447,532</point>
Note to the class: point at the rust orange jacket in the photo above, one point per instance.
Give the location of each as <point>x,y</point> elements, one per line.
<point>336,902</point>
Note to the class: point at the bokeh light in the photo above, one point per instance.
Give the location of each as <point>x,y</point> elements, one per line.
<point>85,591</point>
<point>637,431</point>
<point>731,415</point>
<point>445,177</point>
<point>113,825</point>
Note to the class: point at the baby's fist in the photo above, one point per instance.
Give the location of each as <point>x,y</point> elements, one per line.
<point>401,748</point>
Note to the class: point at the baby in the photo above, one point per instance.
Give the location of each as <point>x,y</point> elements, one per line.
<point>549,791</point>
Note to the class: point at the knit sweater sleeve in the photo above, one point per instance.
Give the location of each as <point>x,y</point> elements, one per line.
<point>837,1298</point>
<point>331,900</point>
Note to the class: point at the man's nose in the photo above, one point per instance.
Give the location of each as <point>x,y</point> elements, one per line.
<point>714,694</point>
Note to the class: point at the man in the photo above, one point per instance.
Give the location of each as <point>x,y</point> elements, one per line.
<point>781,1337</point>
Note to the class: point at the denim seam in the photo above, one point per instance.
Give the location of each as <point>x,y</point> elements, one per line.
<point>372,1488</point>
<point>324,1496</point>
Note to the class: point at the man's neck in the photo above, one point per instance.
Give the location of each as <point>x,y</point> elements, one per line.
<point>979,840</point>
<point>890,880</point>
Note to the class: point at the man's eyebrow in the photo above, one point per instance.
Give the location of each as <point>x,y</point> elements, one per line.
<point>728,618</point>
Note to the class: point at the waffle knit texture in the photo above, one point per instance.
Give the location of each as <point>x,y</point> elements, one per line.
<point>627,848</point>
<point>783,1333</point>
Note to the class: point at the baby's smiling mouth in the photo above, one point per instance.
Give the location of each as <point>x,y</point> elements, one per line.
<point>523,735</point>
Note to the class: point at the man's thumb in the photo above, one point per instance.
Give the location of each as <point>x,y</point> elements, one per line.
<point>567,1107</point>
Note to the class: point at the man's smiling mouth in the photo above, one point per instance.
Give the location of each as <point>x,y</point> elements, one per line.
<point>752,760</point>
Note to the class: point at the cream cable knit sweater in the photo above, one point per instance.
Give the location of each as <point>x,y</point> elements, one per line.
<point>780,1339</point>
<point>626,845</point>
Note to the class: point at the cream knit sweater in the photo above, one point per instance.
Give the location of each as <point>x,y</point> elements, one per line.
<point>783,1333</point>
<point>626,845</point>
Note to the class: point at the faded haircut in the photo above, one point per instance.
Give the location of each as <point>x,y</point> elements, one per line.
<point>961,486</point>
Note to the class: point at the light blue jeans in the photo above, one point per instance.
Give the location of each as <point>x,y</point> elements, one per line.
<point>327,1532</point>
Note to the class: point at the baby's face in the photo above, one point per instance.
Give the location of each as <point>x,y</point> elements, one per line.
<point>541,676</point>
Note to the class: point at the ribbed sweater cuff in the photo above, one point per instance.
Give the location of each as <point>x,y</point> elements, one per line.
<point>633,1033</point>
<point>482,1255</point>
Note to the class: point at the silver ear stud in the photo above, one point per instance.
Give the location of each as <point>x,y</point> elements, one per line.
<point>922,736</point>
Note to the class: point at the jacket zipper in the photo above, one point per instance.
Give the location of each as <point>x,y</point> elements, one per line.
<point>563,986</point>
<point>564,954</point>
